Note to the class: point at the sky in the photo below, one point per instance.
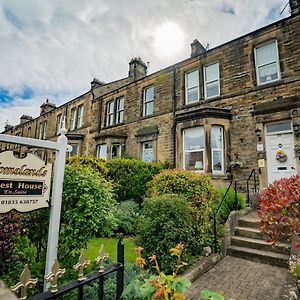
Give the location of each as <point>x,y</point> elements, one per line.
<point>52,49</point>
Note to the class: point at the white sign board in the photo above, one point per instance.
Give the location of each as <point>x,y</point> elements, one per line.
<point>24,182</point>
<point>260,147</point>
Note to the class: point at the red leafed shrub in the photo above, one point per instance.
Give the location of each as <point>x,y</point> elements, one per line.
<point>279,209</point>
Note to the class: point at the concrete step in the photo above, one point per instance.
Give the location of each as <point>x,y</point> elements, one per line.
<point>249,232</point>
<point>259,244</point>
<point>271,258</point>
<point>248,222</point>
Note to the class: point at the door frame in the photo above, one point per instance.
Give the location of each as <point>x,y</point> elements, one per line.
<point>288,131</point>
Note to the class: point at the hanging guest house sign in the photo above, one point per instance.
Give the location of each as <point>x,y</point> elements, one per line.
<point>24,182</point>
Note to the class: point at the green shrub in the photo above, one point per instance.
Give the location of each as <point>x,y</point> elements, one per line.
<point>127,213</point>
<point>131,271</point>
<point>88,208</point>
<point>198,190</point>
<point>229,204</point>
<point>97,164</point>
<point>130,177</point>
<point>164,222</point>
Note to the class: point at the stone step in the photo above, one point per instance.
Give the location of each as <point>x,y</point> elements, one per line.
<point>247,222</point>
<point>249,232</point>
<point>259,244</point>
<point>271,258</point>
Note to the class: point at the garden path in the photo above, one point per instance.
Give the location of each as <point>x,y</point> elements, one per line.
<point>243,280</point>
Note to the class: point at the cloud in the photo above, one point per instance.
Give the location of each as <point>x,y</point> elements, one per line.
<point>55,48</point>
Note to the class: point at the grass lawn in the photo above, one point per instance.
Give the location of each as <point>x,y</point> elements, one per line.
<point>110,247</point>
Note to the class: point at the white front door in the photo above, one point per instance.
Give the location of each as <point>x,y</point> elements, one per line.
<point>281,161</point>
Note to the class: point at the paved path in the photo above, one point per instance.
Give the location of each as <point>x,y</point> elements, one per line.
<point>242,280</point>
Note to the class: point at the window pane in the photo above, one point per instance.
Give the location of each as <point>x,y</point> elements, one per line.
<point>102,151</point>
<point>115,150</point>
<point>149,108</point>
<point>120,116</point>
<point>194,138</point>
<point>192,79</point>
<point>149,94</point>
<point>217,137</point>
<point>121,103</point>
<point>266,54</point>
<point>212,89</point>
<point>148,151</point>
<point>212,72</point>
<point>111,107</point>
<point>217,160</point>
<point>194,161</point>
<point>74,150</point>
<point>268,73</point>
<point>192,95</point>
<point>279,127</point>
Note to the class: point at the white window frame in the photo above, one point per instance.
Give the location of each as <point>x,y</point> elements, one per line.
<point>270,62</point>
<point>197,150</point>
<point>218,150</point>
<point>143,150</point>
<point>187,88</point>
<point>80,116</point>
<point>73,119</point>
<point>206,82</point>
<point>58,123</point>
<point>120,110</point>
<point>119,151</point>
<point>98,151</point>
<point>146,102</point>
<point>110,113</point>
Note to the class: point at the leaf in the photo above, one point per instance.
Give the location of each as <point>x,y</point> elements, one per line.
<point>210,295</point>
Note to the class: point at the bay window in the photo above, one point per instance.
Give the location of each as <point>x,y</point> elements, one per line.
<point>101,151</point>
<point>194,147</point>
<point>217,149</point>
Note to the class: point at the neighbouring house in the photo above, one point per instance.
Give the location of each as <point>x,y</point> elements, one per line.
<point>223,111</point>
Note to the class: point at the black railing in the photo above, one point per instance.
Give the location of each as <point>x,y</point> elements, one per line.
<point>252,178</point>
<point>223,203</point>
<point>77,287</point>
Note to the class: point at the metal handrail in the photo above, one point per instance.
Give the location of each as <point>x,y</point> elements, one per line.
<point>223,202</point>
<point>252,174</point>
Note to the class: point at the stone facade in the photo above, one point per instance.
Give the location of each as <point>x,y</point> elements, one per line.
<point>223,111</point>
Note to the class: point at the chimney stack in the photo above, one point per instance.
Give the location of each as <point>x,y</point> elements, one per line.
<point>295,7</point>
<point>197,48</point>
<point>46,107</point>
<point>25,118</point>
<point>137,68</point>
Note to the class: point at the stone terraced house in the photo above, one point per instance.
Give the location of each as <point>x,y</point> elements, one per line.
<point>223,111</point>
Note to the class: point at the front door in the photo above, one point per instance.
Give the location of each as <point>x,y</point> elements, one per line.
<point>281,161</point>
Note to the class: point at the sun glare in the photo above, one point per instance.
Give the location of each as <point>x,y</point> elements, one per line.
<point>168,39</point>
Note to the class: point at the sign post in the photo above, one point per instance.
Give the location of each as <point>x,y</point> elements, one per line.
<point>16,184</point>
